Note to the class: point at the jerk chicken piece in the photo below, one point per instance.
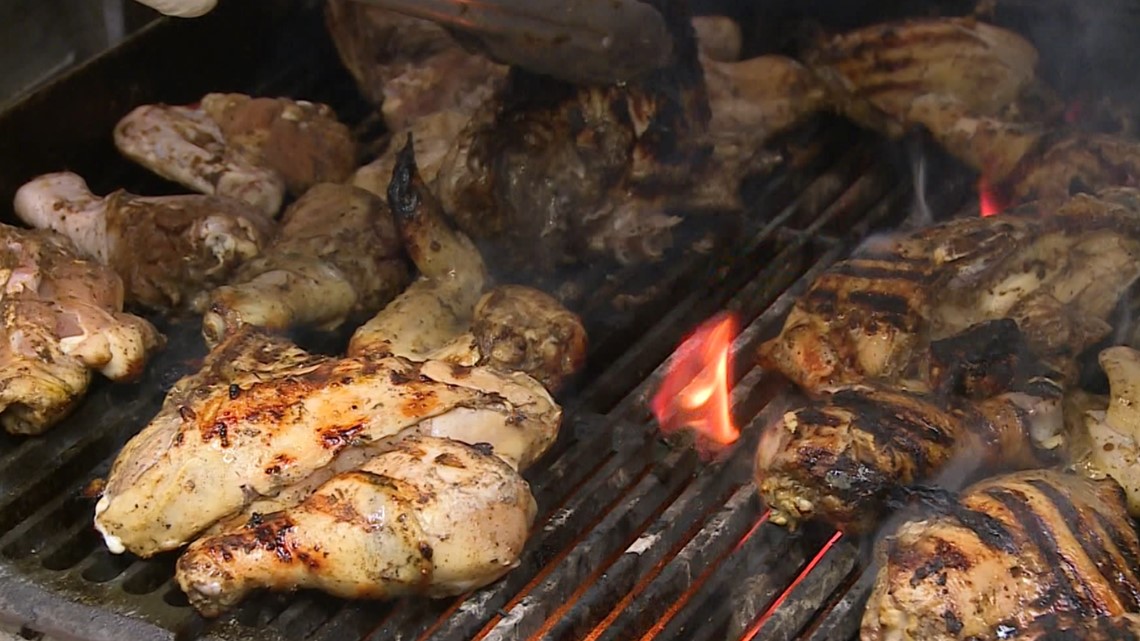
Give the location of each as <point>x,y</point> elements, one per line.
<point>170,251</point>
<point>1058,270</point>
<point>1114,432</point>
<point>262,415</point>
<point>432,135</point>
<point>444,314</point>
<point>844,457</point>
<point>62,317</point>
<point>251,149</point>
<point>874,74</point>
<point>1025,162</point>
<point>546,171</point>
<point>426,516</point>
<point>338,255</point>
<point>1012,549</point>
<point>1123,627</point>
<point>412,68</point>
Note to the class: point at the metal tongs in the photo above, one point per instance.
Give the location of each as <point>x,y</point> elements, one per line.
<point>580,41</point>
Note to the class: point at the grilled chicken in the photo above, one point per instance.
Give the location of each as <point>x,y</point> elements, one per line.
<point>1123,627</point>
<point>338,255</point>
<point>251,149</point>
<point>875,73</point>
<point>437,307</point>
<point>62,317</point>
<point>170,251</point>
<point>427,516</point>
<point>1058,271</point>
<point>845,457</point>
<point>412,68</point>
<point>262,415</point>
<point>1012,549</point>
<point>718,37</point>
<point>1026,162</point>
<point>432,134</point>
<point>1114,432</point>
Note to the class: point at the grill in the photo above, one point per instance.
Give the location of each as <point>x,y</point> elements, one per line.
<point>636,537</point>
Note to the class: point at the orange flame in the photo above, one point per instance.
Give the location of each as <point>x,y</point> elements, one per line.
<point>989,204</point>
<point>694,393</point>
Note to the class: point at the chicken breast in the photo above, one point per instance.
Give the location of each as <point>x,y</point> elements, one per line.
<point>437,307</point>
<point>846,457</point>
<point>262,415</point>
<point>170,251</point>
<point>62,317</point>
<point>1057,270</point>
<point>338,255</point>
<point>428,516</point>
<point>251,149</point>
<point>1012,549</point>
<point>874,74</point>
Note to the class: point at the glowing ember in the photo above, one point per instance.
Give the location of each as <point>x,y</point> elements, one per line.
<point>988,202</point>
<point>694,394</point>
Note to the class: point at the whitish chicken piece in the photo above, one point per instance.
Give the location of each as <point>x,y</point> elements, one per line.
<point>1115,432</point>
<point>432,135</point>
<point>62,317</point>
<point>251,149</point>
<point>262,415</point>
<point>427,516</point>
<point>170,251</point>
<point>338,255</point>
<point>874,74</point>
<point>186,146</point>
<point>438,306</point>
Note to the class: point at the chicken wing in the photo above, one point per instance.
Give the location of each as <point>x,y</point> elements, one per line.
<point>170,251</point>
<point>262,415</point>
<point>1056,270</point>
<point>427,516</point>
<point>251,149</point>
<point>432,134</point>
<point>874,74</point>
<point>62,317</point>
<point>1012,549</point>
<point>338,255</point>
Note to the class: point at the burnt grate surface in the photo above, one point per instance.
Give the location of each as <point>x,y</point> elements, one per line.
<point>635,539</point>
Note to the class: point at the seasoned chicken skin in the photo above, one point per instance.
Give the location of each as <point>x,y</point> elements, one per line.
<point>62,317</point>
<point>1123,627</point>
<point>338,254</point>
<point>169,251</point>
<point>427,516</point>
<point>874,74</point>
<point>262,415</point>
<point>251,149</point>
<point>1012,549</point>
<point>1058,271</point>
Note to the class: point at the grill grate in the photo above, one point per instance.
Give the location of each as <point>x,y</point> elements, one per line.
<point>635,539</point>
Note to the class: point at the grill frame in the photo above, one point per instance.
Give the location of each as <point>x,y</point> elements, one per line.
<point>686,540</point>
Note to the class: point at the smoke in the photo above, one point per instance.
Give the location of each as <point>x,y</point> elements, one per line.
<point>920,215</point>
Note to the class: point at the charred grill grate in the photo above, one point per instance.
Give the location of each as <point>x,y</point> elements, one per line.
<point>635,540</point>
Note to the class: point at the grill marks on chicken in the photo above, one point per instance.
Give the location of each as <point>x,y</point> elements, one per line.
<point>874,74</point>
<point>1058,271</point>
<point>262,415</point>
<point>338,254</point>
<point>251,149</point>
<point>170,251</point>
<point>1010,550</point>
<point>427,516</point>
<point>62,317</point>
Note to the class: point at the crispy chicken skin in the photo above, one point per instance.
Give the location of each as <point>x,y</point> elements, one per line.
<point>1024,162</point>
<point>169,251</point>
<point>437,307</point>
<point>251,149</point>
<point>1012,549</point>
<point>412,68</point>
<point>1058,270</point>
<point>427,516</point>
<point>338,254</point>
<point>874,74</point>
<point>62,317</point>
<point>262,415</point>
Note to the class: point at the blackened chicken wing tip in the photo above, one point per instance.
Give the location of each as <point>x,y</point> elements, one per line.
<point>403,191</point>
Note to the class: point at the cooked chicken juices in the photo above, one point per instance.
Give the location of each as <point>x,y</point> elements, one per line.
<point>170,251</point>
